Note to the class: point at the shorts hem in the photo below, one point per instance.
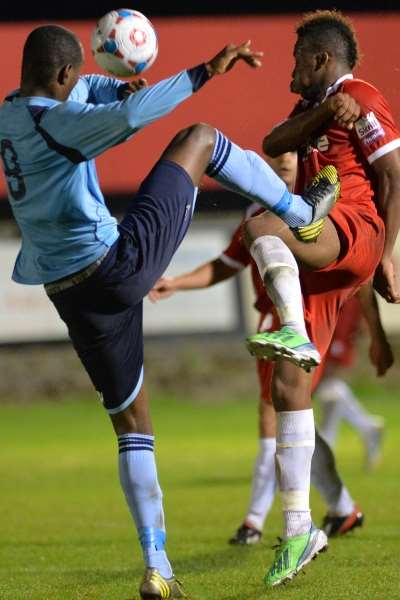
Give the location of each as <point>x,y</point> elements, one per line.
<point>130,399</point>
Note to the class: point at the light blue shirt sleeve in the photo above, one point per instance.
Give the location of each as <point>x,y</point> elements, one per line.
<point>93,128</point>
<point>96,89</point>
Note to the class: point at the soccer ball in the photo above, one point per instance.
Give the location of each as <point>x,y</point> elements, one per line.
<point>124,42</point>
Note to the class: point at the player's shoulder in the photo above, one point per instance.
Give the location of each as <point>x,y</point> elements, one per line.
<point>360,89</point>
<point>80,92</point>
<point>7,101</point>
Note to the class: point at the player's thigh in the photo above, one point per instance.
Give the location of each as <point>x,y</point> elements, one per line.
<point>316,255</point>
<point>157,221</point>
<point>291,387</point>
<point>107,335</point>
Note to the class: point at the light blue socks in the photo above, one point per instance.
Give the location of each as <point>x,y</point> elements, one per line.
<point>246,173</point>
<point>138,476</point>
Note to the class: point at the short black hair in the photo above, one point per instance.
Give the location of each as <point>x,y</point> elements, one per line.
<point>47,49</point>
<point>330,30</point>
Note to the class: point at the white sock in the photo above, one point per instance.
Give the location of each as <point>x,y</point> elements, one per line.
<point>264,483</point>
<point>327,481</point>
<point>348,407</point>
<point>279,271</point>
<point>295,442</point>
<point>138,476</point>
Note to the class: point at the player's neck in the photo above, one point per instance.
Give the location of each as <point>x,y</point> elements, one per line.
<point>337,72</point>
<point>29,89</point>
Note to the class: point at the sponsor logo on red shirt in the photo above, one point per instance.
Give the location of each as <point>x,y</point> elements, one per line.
<point>369,129</point>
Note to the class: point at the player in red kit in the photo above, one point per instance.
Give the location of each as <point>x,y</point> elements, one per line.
<point>343,515</point>
<point>347,123</point>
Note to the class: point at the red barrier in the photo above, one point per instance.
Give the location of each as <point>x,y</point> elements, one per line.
<point>244,104</point>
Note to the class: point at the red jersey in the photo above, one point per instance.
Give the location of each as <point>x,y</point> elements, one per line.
<point>353,151</point>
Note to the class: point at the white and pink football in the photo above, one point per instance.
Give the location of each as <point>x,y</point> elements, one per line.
<point>124,42</point>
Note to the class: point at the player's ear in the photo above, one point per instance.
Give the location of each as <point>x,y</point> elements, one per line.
<point>321,60</point>
<point>64,74</point>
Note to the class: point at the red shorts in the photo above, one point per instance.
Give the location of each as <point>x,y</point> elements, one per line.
<point>325,291</point>
<point>342,349</point>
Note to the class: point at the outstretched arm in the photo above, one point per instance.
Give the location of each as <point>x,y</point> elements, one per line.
<point>93,128</point>
<point>103,90</point>
<point>205,276</point>
<point>380,351</point>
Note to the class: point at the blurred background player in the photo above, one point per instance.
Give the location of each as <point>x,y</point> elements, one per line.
<point>343,514</point>
<point>337,400</point>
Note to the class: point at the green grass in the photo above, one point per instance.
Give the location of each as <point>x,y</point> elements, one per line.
<point>66,533</point>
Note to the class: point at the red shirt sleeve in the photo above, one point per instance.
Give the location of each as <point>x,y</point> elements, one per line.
<point>236,254</point>
<point>375,132</point>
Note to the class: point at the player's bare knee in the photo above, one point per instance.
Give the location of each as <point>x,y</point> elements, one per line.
<point>264,224</point>
<point>202,135</point>
<point>134,419</point>
<point>290,390</point>
<point>282,394</point>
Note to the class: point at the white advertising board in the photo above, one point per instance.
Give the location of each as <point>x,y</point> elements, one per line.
<point>26,315</point>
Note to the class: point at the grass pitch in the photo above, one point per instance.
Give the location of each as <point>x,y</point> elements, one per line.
<point>66,533</point>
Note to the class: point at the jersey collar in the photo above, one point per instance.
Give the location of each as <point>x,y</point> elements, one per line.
<point>331,90</point>
<point>31,100</point>
<point>335,86</point>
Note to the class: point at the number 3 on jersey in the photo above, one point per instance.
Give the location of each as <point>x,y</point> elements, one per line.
<point>13,173</point>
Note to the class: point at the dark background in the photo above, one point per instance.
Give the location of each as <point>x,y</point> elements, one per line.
<point>84,10</point>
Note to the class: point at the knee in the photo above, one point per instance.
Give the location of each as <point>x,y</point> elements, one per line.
<point>249,232</point>
<point>290,393</point>
<point>282,394</point>
<point>201,134</point>
<point>256,227</point>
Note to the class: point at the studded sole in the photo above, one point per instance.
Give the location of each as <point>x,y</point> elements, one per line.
<point>274,351</point>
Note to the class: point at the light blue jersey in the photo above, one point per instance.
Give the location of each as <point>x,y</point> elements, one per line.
<point>48,149</point>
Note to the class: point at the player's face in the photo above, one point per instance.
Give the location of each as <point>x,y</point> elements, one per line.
<point>285,165</point>
<point>307,76</point>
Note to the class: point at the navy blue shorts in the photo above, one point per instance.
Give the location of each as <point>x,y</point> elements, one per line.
<point>104,313</point>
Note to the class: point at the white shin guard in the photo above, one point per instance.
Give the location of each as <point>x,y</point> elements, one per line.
<point>280,273</point>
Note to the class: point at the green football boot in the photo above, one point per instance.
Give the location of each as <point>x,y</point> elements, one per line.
<point>156,587</point>
<point>294,554</point>
<point>285,343</point>
<point>321,195</point>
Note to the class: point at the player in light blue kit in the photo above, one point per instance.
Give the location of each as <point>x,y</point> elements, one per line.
<point>96,272</point>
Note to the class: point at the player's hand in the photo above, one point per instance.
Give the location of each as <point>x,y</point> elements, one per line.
<point>230,55</point>
<point>162,289</point>
<point>344,109</point>
<point>381,355</point>
<point>385,282</point>
<point>134,86</point>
